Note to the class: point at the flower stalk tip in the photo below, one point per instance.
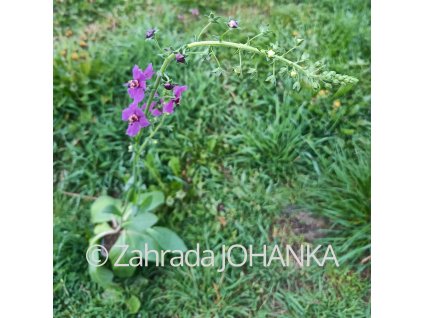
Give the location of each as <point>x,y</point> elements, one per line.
<point>233,24</point>
<point>180,58</point>
<point>150,33</point>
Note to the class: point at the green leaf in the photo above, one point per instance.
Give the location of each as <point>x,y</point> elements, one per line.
<point>167,239</point>
<point>175,166</point>
<point>113,295</point>
<point>151,200</point>
<point>218,71</point>
<point>305,56</point>
<point>140,222</point>
<point>283,70</point>
<point>103,209</point>
<point>343,90</point>
<point>101,228</point>
<point>133,304</point>
<point>135,241</point>
<point>296,86</point>
<point>131,210</point>
<point>100,275</point>
<point>315,85</point>
<point>347,131</point>
<point>237,70</point>
<point>264,28</point>
<point>272,79</point>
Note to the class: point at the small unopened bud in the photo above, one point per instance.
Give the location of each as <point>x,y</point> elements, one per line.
<point>150,34</point>
<point>168,86</point>
<point>195,12</point>
<point>293,73</point>
<point>271,53</point>
<point>180,58</point>
<point>233,24</point>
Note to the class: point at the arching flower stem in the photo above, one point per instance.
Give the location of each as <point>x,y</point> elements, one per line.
<point>244,47</point>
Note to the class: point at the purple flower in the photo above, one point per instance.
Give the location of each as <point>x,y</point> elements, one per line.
<point>233,24</point>
<point>177,93</point>
<point>137,86</point>
<point>195,12</point>
<point>180,58</point>
<point>168,86</point>
<point>154,111</point>
<point>150,33</point>
<point>135,118</point>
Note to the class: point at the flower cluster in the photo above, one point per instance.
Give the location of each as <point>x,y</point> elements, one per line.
<point>137,116</point>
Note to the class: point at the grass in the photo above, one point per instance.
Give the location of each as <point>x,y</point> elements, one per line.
<point>237,161</point>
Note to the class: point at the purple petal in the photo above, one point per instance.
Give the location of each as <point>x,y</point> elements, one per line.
<point>139,112</point>
<point>144,107</point>
<point>136,72</point>
<point>168,108</point>
<point>178,90</point>
<point>143,122</point>
<point>154,111</point>
<point>137,94</point>
<point>127,112</point>
<point>133,129</point>
<point>148,73</point>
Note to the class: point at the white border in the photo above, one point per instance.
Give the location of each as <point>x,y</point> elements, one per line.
<point>26,54</point>
<point>397,124</point>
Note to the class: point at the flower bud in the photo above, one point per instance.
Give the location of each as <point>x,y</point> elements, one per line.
<point>195,12</point>
<point>233,24</point>
<point>293,73</point>
<point>271,53</point>
<point>168,86</point>
<point>150,34</point>
<point>180,58</point>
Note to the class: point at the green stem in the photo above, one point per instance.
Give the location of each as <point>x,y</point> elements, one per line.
<point>159,75</point>
<point>224,33</point>
<point>247,48</point>
<point>151,135</point>
<point>240,62</point>
<point>204,29</point>
<point>254,37</point>
<point>138,149</point>
<point>215,58</point>
<point>158,45</point>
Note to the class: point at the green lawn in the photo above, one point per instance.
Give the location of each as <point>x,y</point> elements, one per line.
<point>240,161</point>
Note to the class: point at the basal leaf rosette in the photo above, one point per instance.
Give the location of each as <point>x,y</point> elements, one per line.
<point>124,233</point>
